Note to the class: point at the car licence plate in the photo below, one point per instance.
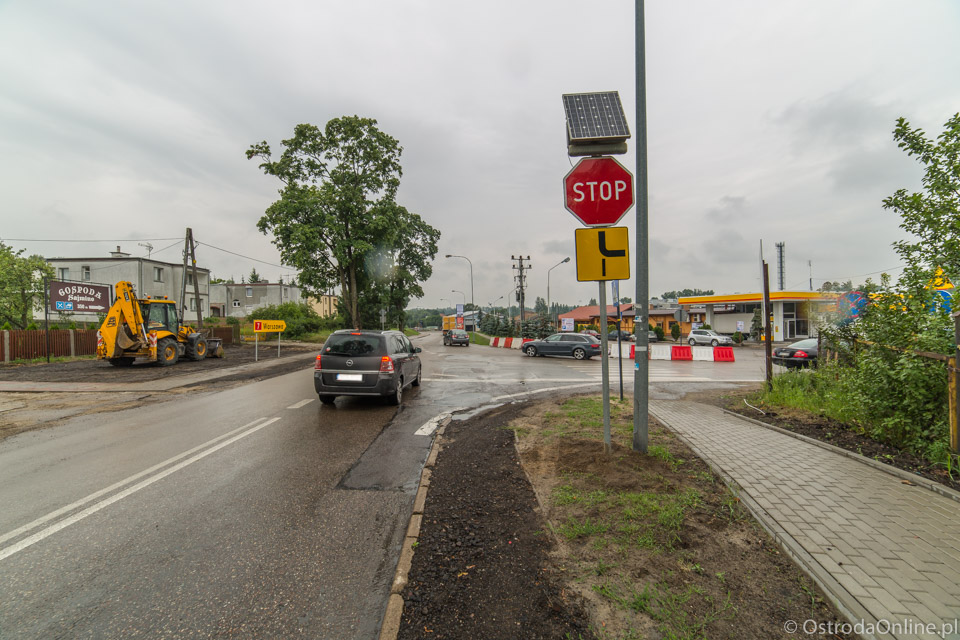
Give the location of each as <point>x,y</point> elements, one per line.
<point>349,377</point>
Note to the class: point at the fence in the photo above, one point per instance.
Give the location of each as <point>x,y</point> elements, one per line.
<point>30,344</point>
<point>950,362</point>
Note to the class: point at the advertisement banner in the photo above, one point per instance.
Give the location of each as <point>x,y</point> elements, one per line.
<point>76,297</point>
<point>566,324</point>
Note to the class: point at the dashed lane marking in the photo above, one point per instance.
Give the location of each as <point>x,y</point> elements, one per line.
<point>302,403</point>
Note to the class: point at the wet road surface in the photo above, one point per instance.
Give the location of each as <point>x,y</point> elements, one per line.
<point>251,512</point>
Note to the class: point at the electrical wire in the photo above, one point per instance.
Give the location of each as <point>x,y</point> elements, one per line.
<point>61,240</point>
<point>240,255</point>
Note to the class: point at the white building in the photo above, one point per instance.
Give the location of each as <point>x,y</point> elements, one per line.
<point>239,300</point>
<point>150,277</point>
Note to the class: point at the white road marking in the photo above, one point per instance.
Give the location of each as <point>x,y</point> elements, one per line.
<point>6,552</point>
<point>530,393</point>
<point>431,425</point>
<point>302,403</point>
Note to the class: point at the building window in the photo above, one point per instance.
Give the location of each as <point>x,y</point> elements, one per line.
<point>63,273</point>
<point>236,304</point>
<point>158,274</point>
<point>193,304</point>
<point>189,279</point>
<point>249,291</point>
<point>85,273</point>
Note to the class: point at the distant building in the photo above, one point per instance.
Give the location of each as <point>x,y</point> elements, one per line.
<point>325,305</point>
<point>239,300</point>
<point>795,313</point>
<point>150,277</point>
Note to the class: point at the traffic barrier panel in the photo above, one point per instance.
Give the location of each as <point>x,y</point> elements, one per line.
<point>723,354</point>
<point>518,343</point>
<point>680,352</point>
<point>508,343</point>
<point>702,353</point>
<point>660,351</point>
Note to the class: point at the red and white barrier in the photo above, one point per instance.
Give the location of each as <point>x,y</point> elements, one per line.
<point>667,351</point>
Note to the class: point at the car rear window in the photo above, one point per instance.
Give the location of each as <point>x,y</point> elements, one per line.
<point>352,345</point>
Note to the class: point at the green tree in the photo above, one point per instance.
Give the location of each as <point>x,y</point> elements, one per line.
<point>540,307</point>
<point>254,276</point>
<point>684,293</point>
<point>933,215</point>
<point>675,332</point>
<point>21,285</point>
<point>337,219</point>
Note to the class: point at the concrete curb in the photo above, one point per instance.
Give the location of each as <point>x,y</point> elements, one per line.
<point>839,597</point>
<point>390,627</point>
<point>920,481</point>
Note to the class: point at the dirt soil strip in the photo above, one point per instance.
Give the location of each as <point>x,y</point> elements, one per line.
<point>482,567</point>
<point>500,550</point>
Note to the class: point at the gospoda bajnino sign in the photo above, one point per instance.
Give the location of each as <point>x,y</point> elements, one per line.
<point>74,297</point>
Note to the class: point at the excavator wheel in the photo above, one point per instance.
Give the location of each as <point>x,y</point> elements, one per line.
<point>167,352</point>
<point>197,350</point>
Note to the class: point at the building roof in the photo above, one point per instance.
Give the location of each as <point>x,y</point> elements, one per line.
<point>781,296</point>
<point>589,312</point>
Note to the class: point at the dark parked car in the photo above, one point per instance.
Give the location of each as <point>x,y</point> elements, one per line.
<point>457,336</point>
<point>652,336</point>
<point>797,355</point>
<point>366,363</point>
<point>625,336</point>
<point>576,345</point>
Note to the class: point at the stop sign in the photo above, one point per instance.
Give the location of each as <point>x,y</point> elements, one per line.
<point>598,191</point>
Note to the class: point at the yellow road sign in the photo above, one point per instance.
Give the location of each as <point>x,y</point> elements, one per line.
<point>269,326</point>
<point>603,254</point>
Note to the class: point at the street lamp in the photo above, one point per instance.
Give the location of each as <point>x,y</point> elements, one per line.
<point>567,259</point>
<point>450,255</point>
<point>461,293</point>
<point>448,302</point>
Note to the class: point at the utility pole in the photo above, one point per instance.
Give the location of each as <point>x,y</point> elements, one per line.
<point>781,268</point>
<point>767,329</point>
<point>521,282</point>
<point>810,265</point>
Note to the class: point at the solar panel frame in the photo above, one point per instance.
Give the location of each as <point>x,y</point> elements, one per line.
<point>595,117</point>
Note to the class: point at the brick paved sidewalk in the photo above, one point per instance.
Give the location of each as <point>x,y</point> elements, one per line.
<point>885,550</point>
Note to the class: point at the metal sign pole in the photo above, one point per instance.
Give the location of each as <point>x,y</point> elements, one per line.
<point>279,333</point>
<point>46,317</point>
<point>641,373</point>
<point>605,367</point>
<point>256,345</point>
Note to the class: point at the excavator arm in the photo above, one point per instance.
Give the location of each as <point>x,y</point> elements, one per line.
<point>123,327</point>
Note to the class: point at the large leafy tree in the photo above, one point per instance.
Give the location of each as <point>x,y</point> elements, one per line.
<point>337,220</point>
<point>21,285</point>
<point>933,215</point>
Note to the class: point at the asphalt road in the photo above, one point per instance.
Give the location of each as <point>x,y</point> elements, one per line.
<point>251,512</point>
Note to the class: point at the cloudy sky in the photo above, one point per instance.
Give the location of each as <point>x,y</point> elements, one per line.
<point>127,122</point>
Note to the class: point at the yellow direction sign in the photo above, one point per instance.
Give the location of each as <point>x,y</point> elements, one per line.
<point>269,326</point>
<point>602,254</point>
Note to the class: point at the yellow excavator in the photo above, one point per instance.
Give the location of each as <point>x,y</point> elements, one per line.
<point>149,329</point>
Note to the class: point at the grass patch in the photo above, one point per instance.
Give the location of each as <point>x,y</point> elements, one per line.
<point>43,360</point>
<point>476,338</point>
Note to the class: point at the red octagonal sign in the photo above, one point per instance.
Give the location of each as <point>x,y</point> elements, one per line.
<point>598,191</point>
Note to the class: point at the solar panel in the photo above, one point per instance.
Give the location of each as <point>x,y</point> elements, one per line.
<point>593,117</point>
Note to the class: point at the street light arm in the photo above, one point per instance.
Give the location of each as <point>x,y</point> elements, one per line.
<point>450,255</point>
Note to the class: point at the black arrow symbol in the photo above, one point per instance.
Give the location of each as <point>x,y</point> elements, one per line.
<point>609,253</point>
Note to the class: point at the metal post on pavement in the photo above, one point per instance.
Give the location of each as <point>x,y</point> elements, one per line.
<point>605,369</point>
<point>256,346</point>
<point>641,374</point>
<point>279,333</point>
<point>46,317</point>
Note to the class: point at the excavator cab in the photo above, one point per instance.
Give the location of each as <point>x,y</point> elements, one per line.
<point>160,316</point>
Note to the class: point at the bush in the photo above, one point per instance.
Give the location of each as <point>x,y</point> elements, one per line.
<point>301,319</point>
<point>32,326</point>
<point>737,337</point>
<point>54,327</point>
<point>73,325</point>
<point>7,327</point>
<point>675,332</point>
<point>233,322</point>
<point>659,331</point>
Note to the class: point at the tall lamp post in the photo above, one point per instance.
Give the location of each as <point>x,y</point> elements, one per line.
<point>461,293</point>
<point>567,259</point>
<point>450,255</point>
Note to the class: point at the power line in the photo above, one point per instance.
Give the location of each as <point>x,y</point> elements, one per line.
<point>240,255</point>
<point>62,240</point>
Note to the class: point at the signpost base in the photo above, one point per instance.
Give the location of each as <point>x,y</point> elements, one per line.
<point>605,368</point>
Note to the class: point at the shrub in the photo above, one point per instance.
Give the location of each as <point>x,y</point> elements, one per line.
<point>54,327</point>
<point>32,326</point>
<point>7,327</point>
<point>659,331</point>
<point>675,332</point>
<point>233,322</point>
<point>301,319</point>
<point>737,337</point>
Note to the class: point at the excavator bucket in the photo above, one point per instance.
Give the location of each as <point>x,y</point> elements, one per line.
<point>214,348</point>
<point>124,340</point>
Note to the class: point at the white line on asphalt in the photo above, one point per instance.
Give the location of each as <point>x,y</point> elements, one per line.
<point>93,496</point>
<point>530,393</point>
<point>302,403</point>
<point>6,552</point>
<point>431,425</point>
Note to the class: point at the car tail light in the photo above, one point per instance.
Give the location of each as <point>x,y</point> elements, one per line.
<point>317,365</point>
<point>386,365</point>
<point>800,354</point>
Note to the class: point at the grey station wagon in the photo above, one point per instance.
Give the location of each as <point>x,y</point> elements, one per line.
<point>366,363</point>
